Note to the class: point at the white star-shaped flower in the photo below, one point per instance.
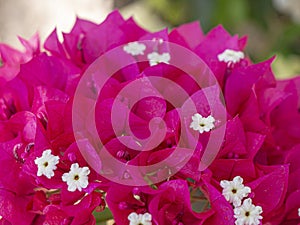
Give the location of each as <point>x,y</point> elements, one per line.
<point>230,56</point>
<point>234,191</point>
<point>77,178</point>
<point>247,213</point>
<point>46,164</point>
<point>156,58</point>
<point>134,48</point>
<point>140,219</point>
<point>202,124</point>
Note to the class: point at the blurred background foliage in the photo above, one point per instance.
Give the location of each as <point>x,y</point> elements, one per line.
<point>272,26</point>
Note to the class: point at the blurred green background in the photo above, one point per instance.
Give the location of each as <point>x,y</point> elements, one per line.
<point>272,26</point>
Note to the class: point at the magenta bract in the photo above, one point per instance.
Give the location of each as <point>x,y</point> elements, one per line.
<point>144,113</point>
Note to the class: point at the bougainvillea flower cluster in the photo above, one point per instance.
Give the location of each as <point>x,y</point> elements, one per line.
<point>45,178</point>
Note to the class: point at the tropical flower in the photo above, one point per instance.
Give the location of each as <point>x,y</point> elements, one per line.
<point>77,178</point>
<point>139,219</point>
<point>248,214</point>
<point>234,191</point>
<point>156,58</point>
<point>202,124</point>
<point>52,174</point>
<point>134,48</point>
<point>46,164</point>
<point>230,56</point>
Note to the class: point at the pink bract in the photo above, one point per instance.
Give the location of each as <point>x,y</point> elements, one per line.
<point>258,114</point>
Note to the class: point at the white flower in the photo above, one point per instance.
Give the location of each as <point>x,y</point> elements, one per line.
<point>156,58</point>
<point>299,212</point>
<point>234,191</point>
<point>134,48</point>
<point>248,214</point>
<point>230,56</point>
<point>46,164</point>
<point>77,178</point>
<point>202,124</point>
<point>140,219</point>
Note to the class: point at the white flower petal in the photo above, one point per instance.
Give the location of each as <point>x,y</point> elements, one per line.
<point>134,48</point>
<point>156,58</point>
<point>202,124</point>
<point>76,178</point>
<point>147,217</point>
<point>133,217</point>
<point>46,164</point>
<point>230,56</point>
<point>247,213</point>
<point>234,191</point>
<point>138,219</point>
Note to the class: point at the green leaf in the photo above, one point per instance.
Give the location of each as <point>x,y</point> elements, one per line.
<point>103,216</point>
<point>199,201</point>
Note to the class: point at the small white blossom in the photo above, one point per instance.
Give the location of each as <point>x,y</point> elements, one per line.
<point>156,58</point>
<point>247,213</point>
<point>77,178</point>
<point>299,212</point>
<point>234,191</point>
<point>230,56</point>
<point>46,164</point>
<point>140,219</point>
<point>134,48</point>
<point>202,124</point>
